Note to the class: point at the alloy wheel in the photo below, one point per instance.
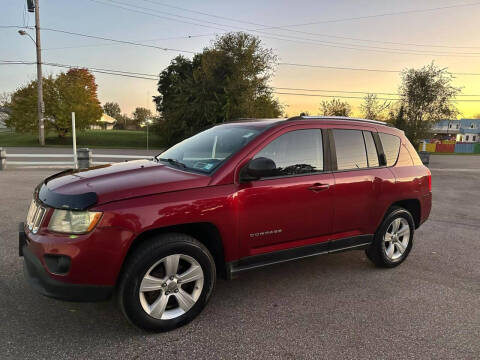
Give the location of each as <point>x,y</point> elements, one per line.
<point>171,286</point>
<point>396,238</point>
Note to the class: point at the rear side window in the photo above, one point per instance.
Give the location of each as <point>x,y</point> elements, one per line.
<point>372,154</point>
<point>391,146</point>
<point>296,152</point>
<point>350,149</point>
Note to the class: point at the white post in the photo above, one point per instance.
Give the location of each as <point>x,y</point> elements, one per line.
<point>147,135</point>
<point>424,148</point>
<point>74,138</point>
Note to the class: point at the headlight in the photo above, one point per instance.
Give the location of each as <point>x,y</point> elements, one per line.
<point>73,222</point>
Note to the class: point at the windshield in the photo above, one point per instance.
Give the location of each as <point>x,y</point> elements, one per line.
<point>205,151</point>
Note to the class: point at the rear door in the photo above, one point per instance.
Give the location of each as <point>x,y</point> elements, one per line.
<point>293,208</point>
<point>360,181</point>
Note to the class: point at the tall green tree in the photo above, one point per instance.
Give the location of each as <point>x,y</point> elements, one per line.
<point>427,95</point>
<point>23,106</point>
<point>227,80</point>
<point>112,109</point>
<point>335,107</point>
<point>73,91</point>
<point>141,115</point>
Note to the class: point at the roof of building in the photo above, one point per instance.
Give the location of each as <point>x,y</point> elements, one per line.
<point>465,123</point>
<point>446,122</point>
<point>469,131</point>
<point>107,119</point>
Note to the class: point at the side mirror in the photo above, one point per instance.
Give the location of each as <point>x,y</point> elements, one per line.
<point>259,168</point>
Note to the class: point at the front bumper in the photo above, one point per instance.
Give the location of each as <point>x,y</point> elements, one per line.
<point>38,277</point>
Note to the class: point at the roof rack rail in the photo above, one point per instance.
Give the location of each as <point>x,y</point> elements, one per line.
<point>344,118</point>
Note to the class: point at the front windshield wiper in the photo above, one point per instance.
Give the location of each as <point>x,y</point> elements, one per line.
<point>173,162</point>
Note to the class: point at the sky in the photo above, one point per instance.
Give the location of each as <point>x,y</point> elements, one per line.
<point>349,34</point>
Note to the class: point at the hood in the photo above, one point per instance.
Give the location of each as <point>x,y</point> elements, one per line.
<point>78,189</point>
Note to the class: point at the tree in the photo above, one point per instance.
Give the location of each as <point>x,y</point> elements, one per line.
<point>23,106</point>
<point>4,99</point>
<point>335,107</point>
<point>141,115</point>
<point>73,91</point>
<point>397,118</point>
<point>226,81</point>
<point>112,109</point>
<point>427,96</point>
<point>372,108</point>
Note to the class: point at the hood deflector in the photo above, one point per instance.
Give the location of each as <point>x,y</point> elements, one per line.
<point>64,201</point>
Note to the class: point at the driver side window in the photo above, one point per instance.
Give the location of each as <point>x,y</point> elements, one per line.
<point>296,152</point>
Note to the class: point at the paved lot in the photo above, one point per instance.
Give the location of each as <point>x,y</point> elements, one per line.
<point>333,307</point>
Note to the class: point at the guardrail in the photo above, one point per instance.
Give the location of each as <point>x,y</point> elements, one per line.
<point>85,159</point>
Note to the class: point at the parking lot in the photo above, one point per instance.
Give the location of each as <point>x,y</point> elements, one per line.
<point>334,307</point>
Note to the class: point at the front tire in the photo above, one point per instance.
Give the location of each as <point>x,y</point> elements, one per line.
<point>393,239</point>
<point>166,282</point>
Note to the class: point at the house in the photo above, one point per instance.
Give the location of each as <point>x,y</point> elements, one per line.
<point>106,122</point>
<point>463,130</point>
<point>469,130</point>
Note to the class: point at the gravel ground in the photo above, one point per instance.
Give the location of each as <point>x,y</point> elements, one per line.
<point>330,307</point>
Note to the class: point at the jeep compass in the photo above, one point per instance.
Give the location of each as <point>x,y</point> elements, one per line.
<point>156,233</point>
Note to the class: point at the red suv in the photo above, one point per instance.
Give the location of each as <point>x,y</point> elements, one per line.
<point>156,233</point>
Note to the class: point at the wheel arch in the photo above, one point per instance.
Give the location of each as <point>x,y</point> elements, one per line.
<point>205,232</point>
<point>413,206</point>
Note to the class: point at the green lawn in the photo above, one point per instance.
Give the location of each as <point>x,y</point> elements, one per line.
<point>87,138</point>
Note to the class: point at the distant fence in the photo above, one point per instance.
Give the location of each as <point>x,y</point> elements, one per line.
<point>451,147</point>
<point>85,159</point>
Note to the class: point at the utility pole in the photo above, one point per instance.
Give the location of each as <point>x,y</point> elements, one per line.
<point>40,105</point>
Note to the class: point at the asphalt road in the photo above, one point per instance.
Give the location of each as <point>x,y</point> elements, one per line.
<point>328,307</point>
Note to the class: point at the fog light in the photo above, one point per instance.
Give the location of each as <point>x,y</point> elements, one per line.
<point>57,264</point>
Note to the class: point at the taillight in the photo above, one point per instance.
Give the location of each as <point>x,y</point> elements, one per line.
<point>429,181</point>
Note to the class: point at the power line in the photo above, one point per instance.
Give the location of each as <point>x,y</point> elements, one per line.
<point>120,72</point>
<point>385,14</point>
<point>11,26</point>
<point>355,97</point>
<point>362,69</point>
<point>116,40</point>
<point>92,69</point>
<point>101,38</point>
<point>286,28</point>
<point>290,38</point>
<point>153,77</point>
<point>350,92</point>
<point>103,44</point>
<point>357,47</point>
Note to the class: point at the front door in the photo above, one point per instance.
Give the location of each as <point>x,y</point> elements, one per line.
<point>293,207</point>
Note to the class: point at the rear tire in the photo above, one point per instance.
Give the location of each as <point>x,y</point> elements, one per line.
<point>393,240</point>
<point>166,282</point>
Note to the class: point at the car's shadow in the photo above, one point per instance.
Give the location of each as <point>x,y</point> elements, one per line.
<point>259,285</point>
<point>251,301</point>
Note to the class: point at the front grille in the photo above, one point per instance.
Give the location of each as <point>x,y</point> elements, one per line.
<point>35,216</point>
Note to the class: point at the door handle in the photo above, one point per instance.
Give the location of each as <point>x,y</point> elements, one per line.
<point>318,187</point>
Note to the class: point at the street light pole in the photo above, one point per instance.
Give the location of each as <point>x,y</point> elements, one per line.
<point>40,105</point>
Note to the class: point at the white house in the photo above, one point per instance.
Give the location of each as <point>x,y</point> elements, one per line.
<point>106,122</point>
<point>463,130</point>
<point>469,130</point>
